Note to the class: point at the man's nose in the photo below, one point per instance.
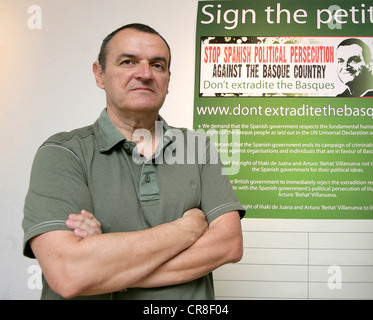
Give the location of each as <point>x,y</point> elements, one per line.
<point>144,71</point>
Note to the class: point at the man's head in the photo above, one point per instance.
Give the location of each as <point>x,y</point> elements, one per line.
<point>135,26</point>
<point>354,58</point>
<point>133,69</point>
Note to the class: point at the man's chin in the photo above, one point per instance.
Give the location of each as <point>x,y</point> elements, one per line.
<point>145,108</point>
<point>347,79</point>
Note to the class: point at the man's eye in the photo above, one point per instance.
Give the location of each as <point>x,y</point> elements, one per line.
<point>159,66</point>
<point>127,62</point>
<point>354,59</point>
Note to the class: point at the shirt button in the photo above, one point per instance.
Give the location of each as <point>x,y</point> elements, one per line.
<point>147,179</point>
<point>127,146</point>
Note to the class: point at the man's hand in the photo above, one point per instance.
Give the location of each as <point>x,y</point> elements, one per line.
<point>84,224</point>
<point>194,220</point>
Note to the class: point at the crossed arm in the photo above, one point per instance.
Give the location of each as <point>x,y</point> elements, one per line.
<point>87,262</point>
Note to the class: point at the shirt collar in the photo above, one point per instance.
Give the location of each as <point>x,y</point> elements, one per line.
<point>108,135</point>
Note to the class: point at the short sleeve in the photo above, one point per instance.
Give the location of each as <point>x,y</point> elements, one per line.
<point>217,194</point>
<point>57,188</point>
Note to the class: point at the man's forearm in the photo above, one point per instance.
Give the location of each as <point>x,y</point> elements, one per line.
<point>143,253</point>
<point>219,245</point>
<point>110,262</point>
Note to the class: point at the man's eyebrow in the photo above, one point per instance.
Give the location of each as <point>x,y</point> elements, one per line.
<point>130,55</point>
<point>125,55</point>
<point>163,59</point>
<point>356,56</point>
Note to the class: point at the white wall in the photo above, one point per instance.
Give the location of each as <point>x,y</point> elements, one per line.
<point>47,86</point>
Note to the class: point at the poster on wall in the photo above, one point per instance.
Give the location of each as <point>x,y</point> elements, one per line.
<point>284,90</point>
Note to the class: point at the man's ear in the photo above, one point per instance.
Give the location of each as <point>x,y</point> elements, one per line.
<point>97,70</point>
<point>169,79</point>
<point>370,67</point>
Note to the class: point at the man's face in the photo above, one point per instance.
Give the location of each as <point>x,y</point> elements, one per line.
<point>136,76</point>
<point>350,62</point>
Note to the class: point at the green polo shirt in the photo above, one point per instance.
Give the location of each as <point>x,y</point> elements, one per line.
<point>97,169</point>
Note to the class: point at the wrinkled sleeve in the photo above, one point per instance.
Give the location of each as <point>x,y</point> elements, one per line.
<point>217,194</point>
<point>57,188</point>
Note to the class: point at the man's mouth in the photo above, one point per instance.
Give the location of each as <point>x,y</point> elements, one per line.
<point>147,89</point>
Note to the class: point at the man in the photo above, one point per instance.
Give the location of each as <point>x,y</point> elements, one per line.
<point>355,68</point>
<point>166,225</point>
